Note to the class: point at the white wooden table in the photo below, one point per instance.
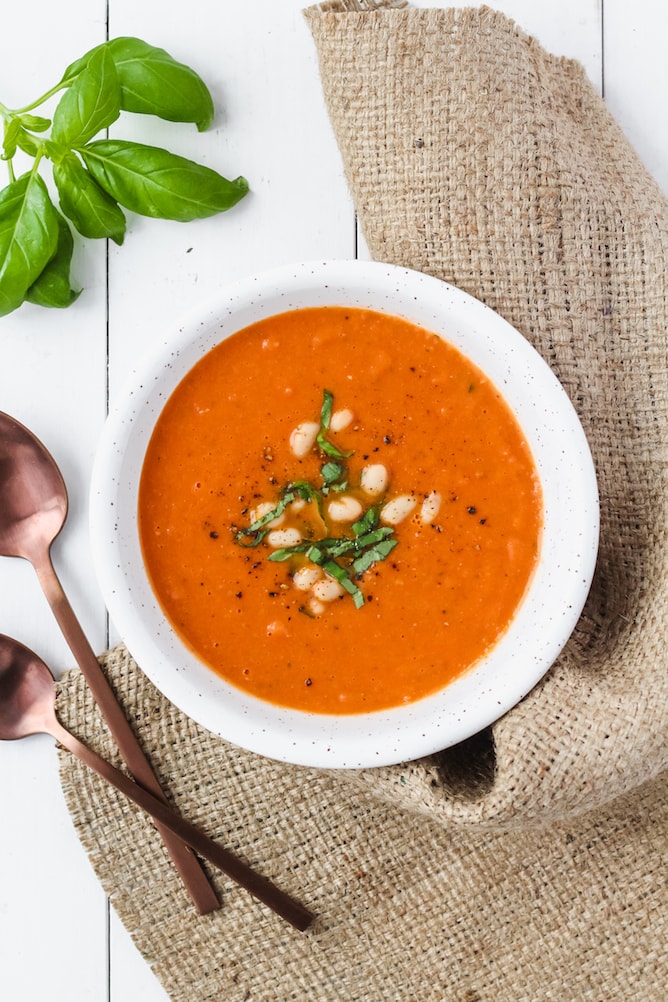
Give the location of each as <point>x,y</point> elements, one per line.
<point>59,940</point>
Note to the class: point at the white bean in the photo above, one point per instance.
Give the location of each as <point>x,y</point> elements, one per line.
<point>344,509</point>
<point>316,607</point>
<point>263,509</point>
<point>341,419</point>
<point>327,590</point>
<point>302,438</point>
<point>284,537</point>
<point>398,509</point>
<point>374,478</point>
<point>306,577</point>
<point>430,507</point>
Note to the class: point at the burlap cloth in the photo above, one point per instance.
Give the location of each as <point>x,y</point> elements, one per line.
<point>527,863</point>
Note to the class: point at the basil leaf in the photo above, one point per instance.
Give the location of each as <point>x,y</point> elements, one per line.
<point>90,104</point>
<point>94,213</point>
<point>371,556</point>
<point>358,597</point>
<point>304,490</point>
<point>336,547</point>
<point>341,575</point>
<point>325,417</point>
<point>28,237</point>
<point>331,472</point>
<point>153,83</point>
<point>284,553</point>
<point>373,537</point>
<point>26,142</point>
<point>53,287</point>
<point>35,123</point>
<point>255,540</point>
<point>257,528</point>
<point>296,489</point>
<point>315,555</point>
<point>329,448</point>
<point>368,521</point>
<point>326,410</point>
<point>342,546</point>
<point>77,67</point>
<point>10,137</point>
<point>154,182</point>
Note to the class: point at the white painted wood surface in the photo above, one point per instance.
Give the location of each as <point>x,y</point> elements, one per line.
<point>58,938</point>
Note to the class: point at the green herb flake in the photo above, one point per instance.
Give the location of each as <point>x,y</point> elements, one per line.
<point>257,528</point>
<point>323,442</point>
<point>368,521</point>
<point>373,555</point>
<point>284,553</point>
<point>334,478</point>
<point>341,575</point>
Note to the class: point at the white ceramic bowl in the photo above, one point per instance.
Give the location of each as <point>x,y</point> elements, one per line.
<point>545,619</point>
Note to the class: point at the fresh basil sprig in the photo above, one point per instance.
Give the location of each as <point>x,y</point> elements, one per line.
<point>96,179</point>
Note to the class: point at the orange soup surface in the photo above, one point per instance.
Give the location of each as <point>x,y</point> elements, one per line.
<point>338,512</point>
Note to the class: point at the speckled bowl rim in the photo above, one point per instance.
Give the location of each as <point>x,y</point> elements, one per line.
<point>545,619</point>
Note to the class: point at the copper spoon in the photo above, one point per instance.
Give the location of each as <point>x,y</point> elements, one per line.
<point>28,706</point>
<point>33,509</point>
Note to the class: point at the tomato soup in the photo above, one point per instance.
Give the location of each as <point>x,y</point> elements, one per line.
<point>338,512</point>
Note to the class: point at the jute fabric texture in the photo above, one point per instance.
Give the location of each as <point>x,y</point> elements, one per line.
<point>527,863</point>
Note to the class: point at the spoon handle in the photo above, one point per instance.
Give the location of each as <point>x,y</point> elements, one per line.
<point>259,886</point>
<point>192,874</point>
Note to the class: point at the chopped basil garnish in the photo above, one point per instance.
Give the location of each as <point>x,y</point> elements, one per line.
<point>325,418</point>
<point>286,552</point>
<point>344,558</point>
<point>333,475</point>
<point>336,571</point>
<point>257,531</point>
<point>368,521</point>
<point>375,553</point>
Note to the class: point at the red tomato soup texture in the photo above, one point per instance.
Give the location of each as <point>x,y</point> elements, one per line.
<point>338,512</point>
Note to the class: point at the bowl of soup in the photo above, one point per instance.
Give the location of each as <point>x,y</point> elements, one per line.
<point>345,515</point>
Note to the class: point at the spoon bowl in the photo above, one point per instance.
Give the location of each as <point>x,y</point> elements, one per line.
<point>34,496</point>
<point>27,692</point>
